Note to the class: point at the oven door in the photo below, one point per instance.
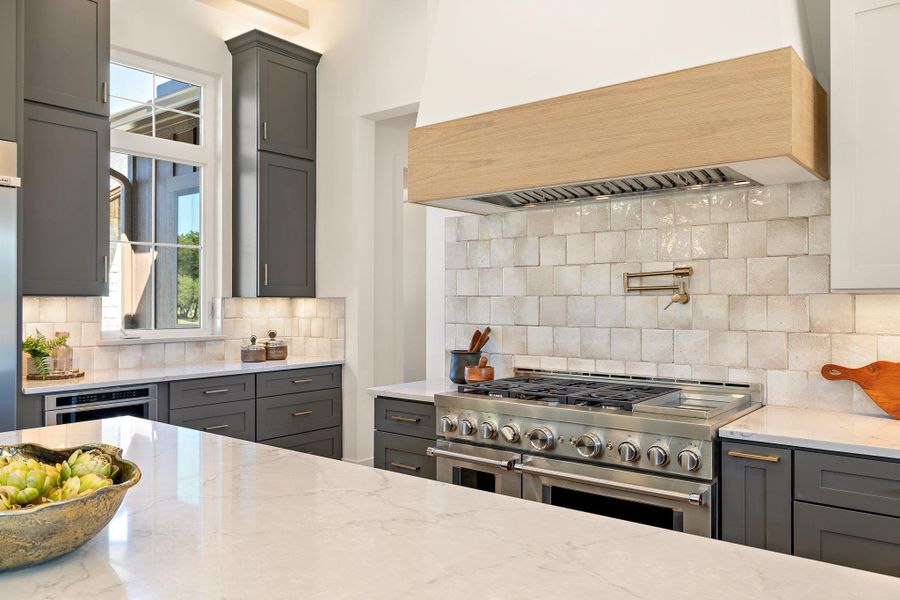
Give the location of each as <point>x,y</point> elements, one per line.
<point>144,409</point>
<point>676,504</point>
<point>478,468</point>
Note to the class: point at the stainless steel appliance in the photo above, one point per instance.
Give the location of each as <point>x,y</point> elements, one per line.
<point>640,449</point>
<point>137,401</point>
<point>10,327</point>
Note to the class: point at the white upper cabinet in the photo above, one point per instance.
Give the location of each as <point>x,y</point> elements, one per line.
<point>865,144</point>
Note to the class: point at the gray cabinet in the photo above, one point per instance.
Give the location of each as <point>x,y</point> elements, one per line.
<point>232,419</point>
<point>291,414</point>
<point>8,70</point>
<point>848,482</point>
<point>212,390</point>
<point>274,115</point>
<point>67,54</point>
<point>298,380</point>
<point>756,496</point>
<point>65,202</point>
<point>324,442</point>
<point>404,429</point>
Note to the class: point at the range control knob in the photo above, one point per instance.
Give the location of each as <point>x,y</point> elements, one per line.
<point>466,427</point>
<point>510,433</point>
<point>629,451</point>
<point>657,455</point>
<point>689,460</point>
<point>488,430</point>
<point>541,438</point>
<point>588,445</point>
<point>448,424</point>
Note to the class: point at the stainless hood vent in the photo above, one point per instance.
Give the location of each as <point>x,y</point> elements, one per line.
<point>693,179</point>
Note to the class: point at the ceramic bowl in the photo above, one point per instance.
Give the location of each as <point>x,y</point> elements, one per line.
<point>40,533</point>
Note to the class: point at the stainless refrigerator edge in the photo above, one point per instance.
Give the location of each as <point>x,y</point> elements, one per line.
<point>10,356</point>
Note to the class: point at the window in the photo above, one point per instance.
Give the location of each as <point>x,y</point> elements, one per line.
<point>161,204</point>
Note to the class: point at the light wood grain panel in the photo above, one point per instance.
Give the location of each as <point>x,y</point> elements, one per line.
<point>737,110</point>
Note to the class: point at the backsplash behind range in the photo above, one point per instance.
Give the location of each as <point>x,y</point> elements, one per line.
<point>550,283</point>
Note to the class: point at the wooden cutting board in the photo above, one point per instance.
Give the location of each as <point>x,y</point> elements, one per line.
<point>880,380</point>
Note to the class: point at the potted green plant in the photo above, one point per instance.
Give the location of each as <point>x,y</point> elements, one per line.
<point>39,349</point>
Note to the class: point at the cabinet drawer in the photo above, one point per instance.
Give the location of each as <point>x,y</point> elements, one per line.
<point>300,380</point>
<point>847,537</point>
<point>214,390</point>
<point>325,442</point>
<point>232,419</point>
<point>404,454</point>
<point>405,417</point>
<point>848,482</point>
<point>278,416</point>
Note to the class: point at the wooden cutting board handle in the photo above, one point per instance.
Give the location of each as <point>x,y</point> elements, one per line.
<point>838,373</point>
<point>880,380</point>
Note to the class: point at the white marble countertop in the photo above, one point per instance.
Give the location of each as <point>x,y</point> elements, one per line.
<point>423,391</point>
<point>215,517</point>
<point>818,429</point>
<point>116,377</point>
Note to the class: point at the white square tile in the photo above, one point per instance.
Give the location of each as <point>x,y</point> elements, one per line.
<point>674,242</point>
<point>527,252</point>
<point>553,310</point>
<point>503,252</point>
<point>889,347</point>
<point>820,235</point>
<point>595,216</point>
<point>747,376</point>
<point>676,316</point>
<point>595,342</point>
<point>467,228</point>
<point>609,246</point>
<point>691,208</point>
<point>503,310</point>
<point>874,314</point>
<point>567,220</point>
<point>710,312</point>
<point>699,281</point>
<point>641,369</point>
<point>709,373</point>
<point>787,388</point>
<point>767,202</point>
<point>728,205</point>
<point>610,367</point>
<point>553,250</point>
<point>747,313</point>
<point>657,345</point>
<point>514,279</point>
<point>567,342</point>
<point>746,239</point>
<point>640,245</point>
<point>490,227</point>
<point>625,344</point>
<point>610,311</point>
<point>728,348</point>
<point>831,313</point>
<point>450,282</point>
<point>854,350</point>
<point>709,241</point>
<point>80,310</point>
<point>595,280</point>
<point>808,199</point>
<point>767,276</point>
<point>478,254</point>
<point>625,213</point>
<point>728,276</point>
<point>540,341</point>
<point>788,313</point>
<point>455,310</point>
<point>129,357</point>
<point>528,310</point>
<point>478,311</point>
<point>514,224</point>
<point>580,311</point>
<point>174,354</point>
<point>467,282</point>
<point>567,280</point>
<point>674,371</point>
<point>617,275</point>
<point>767,349</point>
<point>31,309</point>
<point>787,237</point>
<point>580,365</point>
<point>154,355</point>
<point>515,340</point>
<point>809,275</point>
<point>580,249</point>
<point>450,227</point>
<point>657,210</point>
<point>808,351</point>
<point>553,363</point>
<point>53,310</point>
<point>829,395</point>
<point>107,357</point>
<point>641,311</point>
<point>490,282</point>
<point>539,222</point>
<point>539,281</point>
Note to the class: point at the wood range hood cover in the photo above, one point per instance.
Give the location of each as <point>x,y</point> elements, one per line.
<point>759,119</point>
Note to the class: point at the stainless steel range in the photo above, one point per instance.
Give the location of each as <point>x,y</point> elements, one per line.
<point>641,449</point>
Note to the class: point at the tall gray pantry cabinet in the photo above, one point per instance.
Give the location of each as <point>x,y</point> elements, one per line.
<point>274,133</point>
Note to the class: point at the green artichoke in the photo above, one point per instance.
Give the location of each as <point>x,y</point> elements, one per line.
<point>92,461</point>
<point>15,496</point>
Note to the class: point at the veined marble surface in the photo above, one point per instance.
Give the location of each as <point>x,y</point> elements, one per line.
<point>818,429</point>
<point>117,377</point>
<point>215,517</point>
<point>423,391</point>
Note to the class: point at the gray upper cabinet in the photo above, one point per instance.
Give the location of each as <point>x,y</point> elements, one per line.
<point>274,111</point>
<point>67,54</point>
<point>756,496</point>
<point>65,202</point>
<point>8,71</point>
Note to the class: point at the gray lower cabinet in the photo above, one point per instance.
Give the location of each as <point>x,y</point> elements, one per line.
<point>212,390</point>
<point>313,379</point>
<point>324,442</point>
<point>232,419</point>
<point>65,202</point>
<point>278,416</point>
<point>848,482</point>
<point>8,70</point>
<point>756,496</point>
<point>404,429</point>
<point>67,54</point>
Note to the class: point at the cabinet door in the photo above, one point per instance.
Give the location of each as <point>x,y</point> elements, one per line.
<point>404,454</point>
<point>231,419</point>
<point>756,496</point>
<point>847,537</point>
<point>287,105</point>
<point>67,54</point>
<point>324,442</point>
<point>65,188</point>
<point>291,414</point>
<point>287,226</point>
<point>865,143</point>
<point>8,54</point>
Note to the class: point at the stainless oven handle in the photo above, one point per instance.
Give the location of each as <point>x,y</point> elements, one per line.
<point>695,499</point>
<point>506,465</point>
<point>99,405</point>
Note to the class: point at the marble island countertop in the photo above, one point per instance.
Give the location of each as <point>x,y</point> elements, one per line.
<point>216,517</point>
<point>818,430</point>
<point>421,391</point>
<point>117,377</point>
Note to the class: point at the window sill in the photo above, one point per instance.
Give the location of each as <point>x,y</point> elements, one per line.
<point>121,341</point>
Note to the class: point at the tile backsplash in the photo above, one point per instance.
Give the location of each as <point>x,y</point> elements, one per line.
<point>311,327</point>
<point>550,284</point>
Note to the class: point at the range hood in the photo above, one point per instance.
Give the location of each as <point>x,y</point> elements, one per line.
<point>755,120</point>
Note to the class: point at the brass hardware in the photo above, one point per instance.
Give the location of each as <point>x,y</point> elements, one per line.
<point>219,391</point>
<point>404,467</point>
<point>266,274</point>
<point>299,381</point>
<point>678,272</point>
<point>405,419</point>
<point>265,130</point>
<point>302,413</point>
<point>215,427</point>
<point>736,454</point>
<point>679,297</point>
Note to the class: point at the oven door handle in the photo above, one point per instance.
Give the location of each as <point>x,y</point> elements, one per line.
<point>506,465</point>
<point>694,499</point>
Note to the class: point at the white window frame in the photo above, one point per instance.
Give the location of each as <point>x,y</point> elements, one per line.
<point>207,156</point>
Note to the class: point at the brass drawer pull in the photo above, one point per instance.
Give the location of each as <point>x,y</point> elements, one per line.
<point>397,465</point>
<point>302,413</point>
<point>215,427</point>
<point>299,381</point>
<point>405,419</point>
<point>219,391</point>
<point>771,459</point>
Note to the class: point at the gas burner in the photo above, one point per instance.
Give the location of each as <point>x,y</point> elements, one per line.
<point>618,397</point>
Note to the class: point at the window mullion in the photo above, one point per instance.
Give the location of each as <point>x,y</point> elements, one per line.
<point>153,251</point>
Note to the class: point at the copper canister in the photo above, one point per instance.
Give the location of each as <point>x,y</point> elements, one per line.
<point>253,352</point>
<point>275,349</point>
